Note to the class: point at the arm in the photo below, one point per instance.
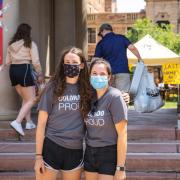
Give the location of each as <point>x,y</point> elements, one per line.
<point>8,60</point>
<point>135,51</point>
<point>35,58</point>
<point>98,51</point>
<point>118,110</point>
<point>40,133</point>
<point>35,62</point>
<point>121,129</point>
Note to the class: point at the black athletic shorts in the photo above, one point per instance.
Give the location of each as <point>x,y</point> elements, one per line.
<point>60,158</point>
<point>102,160</point>
<point>21,74</point>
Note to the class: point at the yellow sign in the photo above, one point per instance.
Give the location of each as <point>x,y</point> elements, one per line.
<point>130,67</point>
<point>171,73</point>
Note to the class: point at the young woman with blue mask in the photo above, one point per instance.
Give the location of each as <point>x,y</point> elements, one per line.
<point>106,139</point>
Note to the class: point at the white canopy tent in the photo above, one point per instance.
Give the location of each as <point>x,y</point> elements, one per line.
<point>153,53</point>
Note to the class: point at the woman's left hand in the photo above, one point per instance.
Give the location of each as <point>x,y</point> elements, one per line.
<point>120,175</point>
<point>126,97</point>
<point>41,78</point>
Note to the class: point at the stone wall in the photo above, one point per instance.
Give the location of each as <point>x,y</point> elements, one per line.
<point>119,21</point>
<point>95,6</point>
<point>164,10</point>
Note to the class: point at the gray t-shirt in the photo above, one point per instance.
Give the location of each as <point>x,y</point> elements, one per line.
<point>65,125</point>
<point>111,109</point>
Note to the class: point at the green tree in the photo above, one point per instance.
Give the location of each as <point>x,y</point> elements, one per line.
<point>163,34</point>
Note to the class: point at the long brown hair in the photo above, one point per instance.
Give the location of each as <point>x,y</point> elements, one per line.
<point>23,32</point>
<point>59,80</point>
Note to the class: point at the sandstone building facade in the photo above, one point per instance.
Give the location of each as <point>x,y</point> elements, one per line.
<point>164,11</point>
<point>159,11</point>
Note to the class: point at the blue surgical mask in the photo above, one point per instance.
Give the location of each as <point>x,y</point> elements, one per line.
<point>99,82</point>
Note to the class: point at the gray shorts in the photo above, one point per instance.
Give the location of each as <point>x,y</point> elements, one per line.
<point>121,81</point>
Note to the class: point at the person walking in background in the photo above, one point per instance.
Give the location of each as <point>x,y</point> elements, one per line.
<point>21,53</point>
<point>64,104</point>
<point>106,124</point>
<point>113,47</point>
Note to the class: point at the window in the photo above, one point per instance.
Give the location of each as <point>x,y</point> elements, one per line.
<point>91,35</point>
<point>162,23</point>
<point>129,28</point>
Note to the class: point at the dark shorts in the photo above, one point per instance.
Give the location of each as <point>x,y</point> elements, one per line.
<point>21,74</point>
<point>60,158</point>
<point>102,160</point>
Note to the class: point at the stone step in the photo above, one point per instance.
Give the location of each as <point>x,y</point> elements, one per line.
<point>130,176</point>
<point>153,162</point>
<point>135,132</point>
<point>16,161</point>
<point>135,161</point>
<point>157,147</point>
<point>17,176</point>
<point>17,147</point>
<point>135,147</point>
<point>10,134</point>
<point>152,176</point>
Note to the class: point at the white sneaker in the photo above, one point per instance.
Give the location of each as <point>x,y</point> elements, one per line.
<point>30,125</point>
<point>17,126</point>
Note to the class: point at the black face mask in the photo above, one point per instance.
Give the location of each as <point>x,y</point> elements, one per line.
<point>71,70</point>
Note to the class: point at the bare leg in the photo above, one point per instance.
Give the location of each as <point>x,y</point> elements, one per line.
<point>28,115</point>
<point>28,95</point>
<point>47,175</point>
<point>91,175</point>
<point>74,174</point>
<point>105,177</point>
<point>18,89</point>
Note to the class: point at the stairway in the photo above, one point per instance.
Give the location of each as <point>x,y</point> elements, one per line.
<point>153,153</point>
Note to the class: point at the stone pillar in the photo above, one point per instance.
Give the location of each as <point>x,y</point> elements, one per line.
<point>37,13</point>
<point>70,25</point>
<point>9,101</point>
<point>64,23</point>
<point>81,25</point>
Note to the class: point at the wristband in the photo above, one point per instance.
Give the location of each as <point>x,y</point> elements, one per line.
<point>38,154</point>
<point>120,168</point>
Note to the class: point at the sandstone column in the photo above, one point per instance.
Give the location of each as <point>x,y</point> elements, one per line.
<point>70,25</point>
<point>9,101</point>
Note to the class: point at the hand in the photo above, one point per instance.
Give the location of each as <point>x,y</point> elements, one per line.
<point>120,175</point>
<point>140,60</point>
<point>126,97</point>
<point>2,67</point>
<point>41,79</point>
<point>39,166</point>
